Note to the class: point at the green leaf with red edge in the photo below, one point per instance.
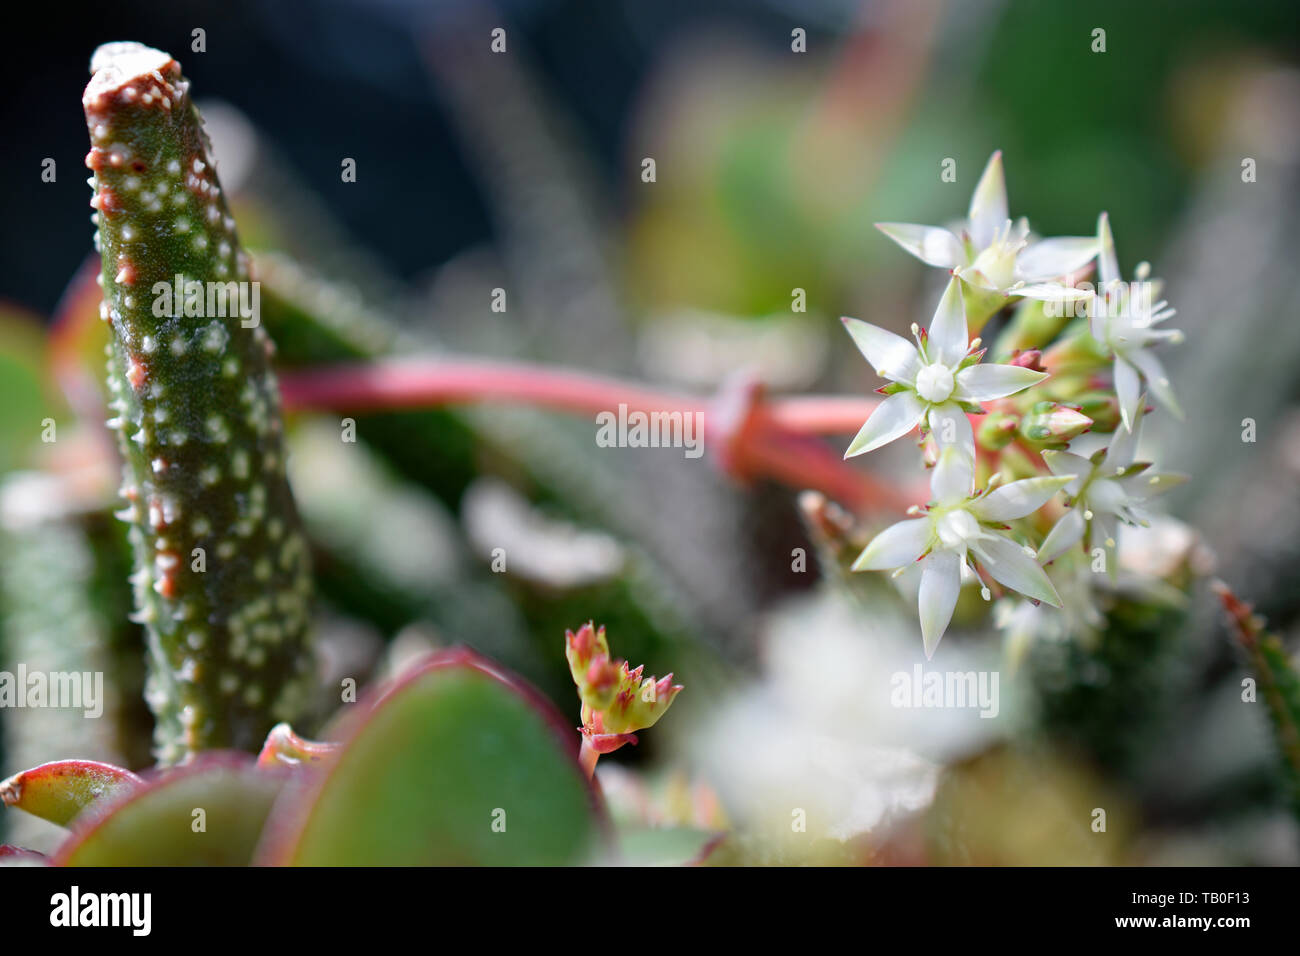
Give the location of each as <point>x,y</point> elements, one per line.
<point>284,748</point>
<point>158,824</point>
<point>458,763</point>
<point>60,790</point>
<point>11,855</point>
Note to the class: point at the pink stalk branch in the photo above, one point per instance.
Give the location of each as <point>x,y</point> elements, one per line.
<point>760,437</point>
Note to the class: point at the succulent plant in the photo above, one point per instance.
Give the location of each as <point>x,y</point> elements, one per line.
<point>446,756</point>
<point>222,577</point>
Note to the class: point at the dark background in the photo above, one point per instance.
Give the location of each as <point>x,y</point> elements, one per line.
<point>329,78</point>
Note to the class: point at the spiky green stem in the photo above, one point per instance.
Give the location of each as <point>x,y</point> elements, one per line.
<point>222,578</point>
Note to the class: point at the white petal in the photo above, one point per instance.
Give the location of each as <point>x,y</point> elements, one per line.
<point>932,245</point>
<point>1067,463</point>
<point>951,427</point>
<point>1051,292</point>
<point>948,339</point>
<point>1107,263</point>
<point>1147,485</point>
<point>892,356</point>
<point>893,418</point>
<point>1122,448</point>
<point>1008,562</point>
<point>1019,498</point>
<point>1154,372</point>
<point>1098,318</point>
<point>983,383</point>
<point>940,585</point>
<point>1065,535</point>
<point>898,545</point>
<point>953,478</point>
<point>988,204</point>
<point>1128,389</point>
<point>1051,258</point>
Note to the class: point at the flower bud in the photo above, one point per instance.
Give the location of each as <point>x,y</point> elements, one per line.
<point>1076,353</point>
<point>1053,425</point>
<point>1102,408</point>
<point>997,431</point>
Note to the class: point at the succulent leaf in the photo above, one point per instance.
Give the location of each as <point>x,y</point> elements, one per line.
<point>60,790</point>
<point>222,580</point>
<point>160,823</point>
<point>616,700</point>
<point>458,764</point>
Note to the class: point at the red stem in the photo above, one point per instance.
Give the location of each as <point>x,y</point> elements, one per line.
<point>587,757</point>
<point>774,441</point>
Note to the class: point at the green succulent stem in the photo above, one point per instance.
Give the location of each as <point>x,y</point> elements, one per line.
<point>222,578</point>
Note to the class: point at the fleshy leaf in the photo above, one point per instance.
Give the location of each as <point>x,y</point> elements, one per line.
<point>60,790</point>
<point>285,748</point>
<point>594,674</point>
<point>196,409</point>
<point>160,823</point>
<point>616,701</point>
<point>459,764</point>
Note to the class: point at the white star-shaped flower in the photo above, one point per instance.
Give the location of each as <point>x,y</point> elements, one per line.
<point>960,528</point>
<point>993,256</point>
<point>1105,490</point>
<point>1122,317</point>
<point>935,381</point>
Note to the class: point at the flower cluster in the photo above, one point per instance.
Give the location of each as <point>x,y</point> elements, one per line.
<point>616,700</point>
<point>1030,501</point>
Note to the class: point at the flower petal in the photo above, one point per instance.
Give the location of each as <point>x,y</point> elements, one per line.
<point>1019,498</point>
<point>1008,562</point>
<point>1066,463</point>
<point>893,418</point>
<point>898,545</point>
<point>892,356</point>
<point>949,340</point>
<point>1051,292</point>
<point>1122,448</point>
<point>940,585</point>
<point>988,204</point>
<point>953,478</point>
<point>951,427</point>
<point>1064,535</point>
<point>1107,263</point>
<point>983,383</point>
<point>1052,258</point>
<point>1147,485</point>
<point>1154,372</point>
<point>931,244</point>
<point>1128,389</point>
